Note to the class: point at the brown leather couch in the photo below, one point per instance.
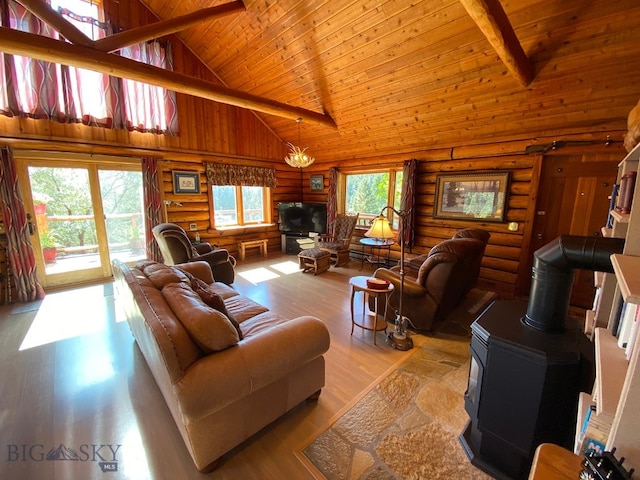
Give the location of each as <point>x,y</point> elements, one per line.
<point>176,248</point>
<point>436,283</point>
<point>224,372</point>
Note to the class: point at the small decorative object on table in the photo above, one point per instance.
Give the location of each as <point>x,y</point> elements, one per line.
<point>375,324</point>
<point>377,283</point>
<point>603,466</point>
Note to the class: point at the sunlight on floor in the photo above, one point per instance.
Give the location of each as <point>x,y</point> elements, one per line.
<point>134,456</point>
<point>264,274</point>
<point>287,267</point>
<point>65,315</point>
<point>258,275</point>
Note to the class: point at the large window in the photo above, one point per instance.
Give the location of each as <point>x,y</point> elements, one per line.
<point>367,193</point>
<point>239,205</point>
<point>45,90</point>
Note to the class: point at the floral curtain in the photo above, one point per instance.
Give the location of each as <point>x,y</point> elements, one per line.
<point>20,252</point>
<point>222,174</point>
<point>408,200</point>
<point>152,205</point>
<point>332,199</point>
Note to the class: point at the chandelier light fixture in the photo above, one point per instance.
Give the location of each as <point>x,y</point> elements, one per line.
<point>297,157</point>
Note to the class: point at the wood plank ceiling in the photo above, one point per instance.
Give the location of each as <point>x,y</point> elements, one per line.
<point>403,76</point>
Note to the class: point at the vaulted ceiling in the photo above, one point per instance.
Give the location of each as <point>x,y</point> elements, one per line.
<point>401,76</point>
<point>408,75</point>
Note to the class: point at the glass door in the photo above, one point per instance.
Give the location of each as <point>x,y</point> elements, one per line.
<point>121,192</point>
<point>85,215</point>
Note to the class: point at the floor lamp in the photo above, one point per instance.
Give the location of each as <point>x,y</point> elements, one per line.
<point>380,228</point>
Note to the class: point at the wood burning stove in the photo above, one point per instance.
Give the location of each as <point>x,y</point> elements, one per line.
<point>529,362</point>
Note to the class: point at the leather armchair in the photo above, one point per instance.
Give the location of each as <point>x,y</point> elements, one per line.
<point>444,277</point>
<point>176,248</point>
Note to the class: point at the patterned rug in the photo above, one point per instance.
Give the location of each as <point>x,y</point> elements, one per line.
<point>407,426</point>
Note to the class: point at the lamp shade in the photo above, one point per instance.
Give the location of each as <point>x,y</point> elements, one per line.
<point>380,228</point>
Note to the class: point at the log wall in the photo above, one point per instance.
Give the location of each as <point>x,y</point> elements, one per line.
<point>214,132</point>
<point>506,249</point>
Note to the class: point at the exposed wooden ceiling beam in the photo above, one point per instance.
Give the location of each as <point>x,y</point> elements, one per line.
<point>165,27</point>
<point>494,24</point>
<point>52,18</point>
<point>42,48</point>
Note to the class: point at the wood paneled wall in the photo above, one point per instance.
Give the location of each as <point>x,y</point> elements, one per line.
<point>502,264</point>
<point>214,132</point>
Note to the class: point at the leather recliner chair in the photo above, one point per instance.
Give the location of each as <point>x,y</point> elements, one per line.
<point>444,277</point>
<point>176,248</point>
<point>412,265</point>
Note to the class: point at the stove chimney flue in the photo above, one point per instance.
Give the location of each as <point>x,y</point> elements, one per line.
<point>552,276</point>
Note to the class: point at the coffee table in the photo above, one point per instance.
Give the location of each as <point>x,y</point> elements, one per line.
<point>359,284</point>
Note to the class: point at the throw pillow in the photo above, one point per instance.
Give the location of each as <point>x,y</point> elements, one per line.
<point>212,299</point>
<point>209,328</point>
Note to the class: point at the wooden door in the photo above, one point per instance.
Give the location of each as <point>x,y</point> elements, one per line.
<point>574,199</point>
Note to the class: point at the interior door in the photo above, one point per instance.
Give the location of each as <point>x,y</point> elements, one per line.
<point>574,200</point>
<point>85,214</point>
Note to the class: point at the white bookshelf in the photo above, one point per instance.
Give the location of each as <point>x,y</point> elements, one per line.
<point>617,388</point>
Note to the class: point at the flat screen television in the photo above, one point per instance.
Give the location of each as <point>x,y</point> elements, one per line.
<point>302,218</point>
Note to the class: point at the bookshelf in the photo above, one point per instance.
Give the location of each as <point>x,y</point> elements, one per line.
<point>617,387</point>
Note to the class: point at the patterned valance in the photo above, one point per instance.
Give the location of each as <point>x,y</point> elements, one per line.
<point>222,174</point>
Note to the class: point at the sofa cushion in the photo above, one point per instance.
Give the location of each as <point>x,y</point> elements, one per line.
<point>210,329</point>
<point>243,308</point>
<point>225,291</point>
<point>261,322</point>
<point>160,275</point>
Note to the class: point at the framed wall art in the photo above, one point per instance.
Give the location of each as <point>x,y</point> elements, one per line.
<point>316,183</point>
<point>186,182</point>
<point>472,196</point>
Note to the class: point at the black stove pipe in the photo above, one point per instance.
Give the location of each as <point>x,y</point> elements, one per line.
<point>552,276</point>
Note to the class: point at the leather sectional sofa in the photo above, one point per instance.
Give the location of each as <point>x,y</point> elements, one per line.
<point>225,370</point>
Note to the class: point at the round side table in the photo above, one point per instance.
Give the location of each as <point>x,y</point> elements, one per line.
<point>375,245</point>
<point>359,284</point>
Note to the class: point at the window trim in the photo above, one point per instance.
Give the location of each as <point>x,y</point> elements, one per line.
<point>393,172</point>
<point>266,202</point>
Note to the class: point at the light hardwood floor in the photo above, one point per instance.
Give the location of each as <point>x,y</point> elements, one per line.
<point>71,375</point>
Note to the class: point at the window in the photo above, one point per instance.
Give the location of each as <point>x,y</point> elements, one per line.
<point>368,193</point>
<point>45,90</point>
<point>239,205</point>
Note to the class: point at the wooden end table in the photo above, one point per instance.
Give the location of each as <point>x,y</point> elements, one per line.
<point>359,284</point>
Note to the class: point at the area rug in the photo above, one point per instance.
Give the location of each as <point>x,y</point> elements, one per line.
<point>407,425</point>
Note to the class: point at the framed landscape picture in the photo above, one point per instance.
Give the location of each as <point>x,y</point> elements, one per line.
<point>472,196</point>
<point>186,182</point>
